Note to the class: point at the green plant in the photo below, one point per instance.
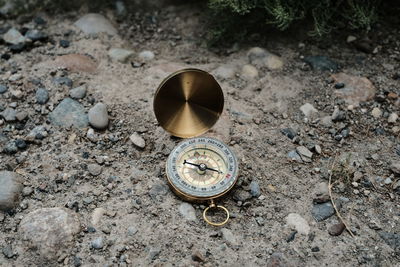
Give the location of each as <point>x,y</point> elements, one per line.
<point>242,17</point>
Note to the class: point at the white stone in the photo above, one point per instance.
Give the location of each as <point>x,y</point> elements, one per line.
<point>308,110</point>
<point>393,118</point>
<point>225,72</point>
<point>95,23</point>
<point>12,36</point>
<point>120,54</point>
<point>137,140</point>
<point>297,222</point>
<point>187,211</point>
<point>376,113</point>
<point>351,38</point>
<point>249,72</point>
<point>146,55</point>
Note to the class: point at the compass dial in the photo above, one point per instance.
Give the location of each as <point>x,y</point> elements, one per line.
<point>202,168</point>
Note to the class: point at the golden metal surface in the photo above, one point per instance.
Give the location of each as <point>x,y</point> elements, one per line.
<point>214,206</point>
<point>188,103</point>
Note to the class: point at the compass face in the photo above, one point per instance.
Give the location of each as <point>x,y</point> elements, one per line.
<point>202,168</point>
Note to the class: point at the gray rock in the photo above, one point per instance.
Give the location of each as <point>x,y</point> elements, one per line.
<point>187,211</point>
<point>9,114</point>
<point>228,236</point>
<point>10,147</point>
<point>289,132</point>
<point>78,92</point>
<point>321,63</point>
<point>119,54</point>
<point>98,116</point>
<point>255,189</point>
<point>321,193</point>
<point>10,190</point>
<point>69,113</point>
<point>338,115</point>
<point>293,155</point>
<point>322,211</point>
<point>132,230</point>
<point>50,231</point>
<point>3,89</point>
<point>137,140</point>
<point>21,115</point>
<point>241,195</point>
<point>8,251</point>
<point>95,23</point>
<point>305,154</point>
<point>395,167</point>
<point>97,243</point>
<point>62,81</point>
<point>146,55</point>
<point>35,35</point>
<point>39,132</point>
<point>94,169</point>
<point>392,239</point>
<point>42,96</point>
<point>12,36</point>
<point>27,191</point>
<point>308,110</point>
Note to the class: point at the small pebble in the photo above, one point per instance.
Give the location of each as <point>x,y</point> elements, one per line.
<point>78,92</point>
<point>339,85</point>
<point>42,96</point>
<point>137,140</point>
<point>376,113</point>
<point>98,116</point>
<point>393,118</point>
<point>94,169</point>
<point>64,43</point>
<point>146,55</point>
<point>336,229</point>
<point>97,243</point>
<point>3,89</point>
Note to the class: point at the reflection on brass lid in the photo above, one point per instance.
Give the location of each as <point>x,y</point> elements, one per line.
<point>188,103</point>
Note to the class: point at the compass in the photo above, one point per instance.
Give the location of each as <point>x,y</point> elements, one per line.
<point>202,169</point>
<point>187,104</point>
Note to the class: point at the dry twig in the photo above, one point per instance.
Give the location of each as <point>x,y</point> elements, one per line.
<point>333,202</point>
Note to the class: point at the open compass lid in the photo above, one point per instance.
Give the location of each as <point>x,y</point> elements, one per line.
<point>188,103</point>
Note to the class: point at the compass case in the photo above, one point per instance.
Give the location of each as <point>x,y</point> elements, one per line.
<point>188,103</point>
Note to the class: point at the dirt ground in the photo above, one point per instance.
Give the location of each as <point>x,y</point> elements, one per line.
<point>129,205</point>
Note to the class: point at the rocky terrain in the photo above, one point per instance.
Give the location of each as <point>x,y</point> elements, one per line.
<point>82,179</point>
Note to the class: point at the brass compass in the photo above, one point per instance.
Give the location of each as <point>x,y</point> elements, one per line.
<point>202,169</point>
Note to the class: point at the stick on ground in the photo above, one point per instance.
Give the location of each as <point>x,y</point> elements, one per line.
<point>333,202</point>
